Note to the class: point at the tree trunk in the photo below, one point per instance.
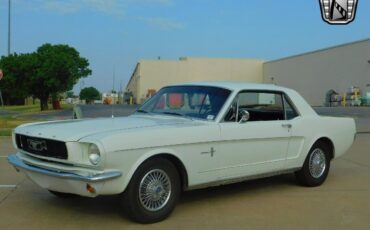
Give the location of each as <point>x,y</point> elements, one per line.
<point>55,102</point>
<point>44,103</point>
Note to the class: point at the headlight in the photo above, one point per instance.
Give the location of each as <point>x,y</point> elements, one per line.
<point>94,154</point>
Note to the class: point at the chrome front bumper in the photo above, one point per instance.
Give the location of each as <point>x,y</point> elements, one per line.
<point>90,177</point>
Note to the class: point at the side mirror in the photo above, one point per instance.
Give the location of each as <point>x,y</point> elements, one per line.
<point>244,116</point>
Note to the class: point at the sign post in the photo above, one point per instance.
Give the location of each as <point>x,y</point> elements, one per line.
<point>1,96</point>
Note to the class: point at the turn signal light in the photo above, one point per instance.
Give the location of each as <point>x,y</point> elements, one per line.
<point>90,189</point>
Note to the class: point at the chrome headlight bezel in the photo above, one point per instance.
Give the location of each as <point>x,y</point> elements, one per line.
<point>94,154</point>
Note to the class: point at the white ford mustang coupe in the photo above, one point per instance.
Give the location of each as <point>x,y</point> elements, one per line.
<point>185,137</point>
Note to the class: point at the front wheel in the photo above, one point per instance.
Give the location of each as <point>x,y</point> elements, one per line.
<point>316,166</point>
<point>153,191</point>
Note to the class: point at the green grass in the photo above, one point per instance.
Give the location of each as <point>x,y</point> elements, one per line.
<point>32,108</point>
<point>23,108</point>
<point>9,122</point>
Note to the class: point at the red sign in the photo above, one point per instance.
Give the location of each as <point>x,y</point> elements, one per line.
<point>1,74</point>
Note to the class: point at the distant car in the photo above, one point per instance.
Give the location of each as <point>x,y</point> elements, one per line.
<point>185,137</point>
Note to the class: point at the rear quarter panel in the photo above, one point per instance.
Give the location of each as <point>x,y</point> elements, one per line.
<point>306,130</point>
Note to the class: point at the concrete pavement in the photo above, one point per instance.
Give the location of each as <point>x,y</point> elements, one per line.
<point>342,202</point>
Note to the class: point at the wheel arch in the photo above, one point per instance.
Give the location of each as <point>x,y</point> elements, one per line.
<point>168,155</point>
<point>329,143</point>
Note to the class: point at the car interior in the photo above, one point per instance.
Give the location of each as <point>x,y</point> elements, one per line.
<point>261,106</point>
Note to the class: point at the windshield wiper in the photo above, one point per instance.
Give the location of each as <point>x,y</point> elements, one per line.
<point>141,111</point>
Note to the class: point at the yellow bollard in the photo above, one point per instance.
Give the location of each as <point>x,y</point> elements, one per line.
<point>131,100</point>
<point>344,100</point>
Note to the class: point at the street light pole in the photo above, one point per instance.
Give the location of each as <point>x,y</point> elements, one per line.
<point>9,18</point>
<point>1,96</point>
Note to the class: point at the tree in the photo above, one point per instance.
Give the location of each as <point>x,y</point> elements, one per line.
<point>17,70</point>
<point>58,68</point>
<point>89,94</point>
<point>49,71</point>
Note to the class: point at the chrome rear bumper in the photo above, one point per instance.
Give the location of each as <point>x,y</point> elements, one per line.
<point>87,177</point>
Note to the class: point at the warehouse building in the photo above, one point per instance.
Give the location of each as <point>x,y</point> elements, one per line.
<point>151,75</point>
<point>313,74</point>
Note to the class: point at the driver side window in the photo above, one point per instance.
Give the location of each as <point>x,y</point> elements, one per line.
<point>261,106</point>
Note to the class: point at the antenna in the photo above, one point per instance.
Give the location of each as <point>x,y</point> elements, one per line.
<point>114,78</point>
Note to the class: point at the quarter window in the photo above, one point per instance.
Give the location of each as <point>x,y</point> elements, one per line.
<point>290,112</point>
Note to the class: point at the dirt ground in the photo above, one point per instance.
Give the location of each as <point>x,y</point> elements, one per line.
<point>342,202</point>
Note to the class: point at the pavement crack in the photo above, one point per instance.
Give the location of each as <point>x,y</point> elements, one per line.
<point>11,191</point>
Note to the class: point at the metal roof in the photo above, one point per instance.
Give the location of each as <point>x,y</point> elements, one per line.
<point>319,50</point>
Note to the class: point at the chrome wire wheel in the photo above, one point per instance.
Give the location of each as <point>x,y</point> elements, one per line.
<point>317,163</point>
<point>155,190</point>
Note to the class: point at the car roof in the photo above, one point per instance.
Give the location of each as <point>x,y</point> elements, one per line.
<point>235,85</point>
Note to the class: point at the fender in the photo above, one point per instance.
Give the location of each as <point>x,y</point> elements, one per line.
<point>146,156</point>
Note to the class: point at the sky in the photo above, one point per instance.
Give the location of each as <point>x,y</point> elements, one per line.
<point>116,34</point>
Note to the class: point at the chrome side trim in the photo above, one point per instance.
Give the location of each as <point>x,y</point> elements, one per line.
<point>90,177</point>
<point>241,179</point>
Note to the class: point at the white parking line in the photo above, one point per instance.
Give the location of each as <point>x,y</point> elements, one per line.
<point>8,185</point>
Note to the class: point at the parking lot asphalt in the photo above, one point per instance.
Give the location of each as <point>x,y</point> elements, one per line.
<point>342,202</point>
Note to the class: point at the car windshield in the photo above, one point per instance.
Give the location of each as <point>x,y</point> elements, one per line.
<point>202,102</point>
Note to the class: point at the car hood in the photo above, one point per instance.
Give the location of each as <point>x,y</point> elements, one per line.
<point>74,130</point>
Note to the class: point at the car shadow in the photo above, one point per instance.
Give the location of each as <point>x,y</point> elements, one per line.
<point>110,207</point>
<point>231,190</point>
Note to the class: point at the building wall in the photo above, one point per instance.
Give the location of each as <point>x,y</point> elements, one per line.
<point>154,74</point>
<point>133,84</point>
<point>315,73</point>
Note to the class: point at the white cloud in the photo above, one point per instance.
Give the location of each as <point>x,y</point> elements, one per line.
<point>163,23</point>
<point>106,6</point>
<point>114,7</point>
<point>61,7</point>
<point>152,2</point>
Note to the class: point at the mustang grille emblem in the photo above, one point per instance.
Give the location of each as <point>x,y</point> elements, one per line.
<point>37,145</point>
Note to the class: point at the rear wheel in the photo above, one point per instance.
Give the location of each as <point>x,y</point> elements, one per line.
<point>316,166</point>
<point>153,191</point>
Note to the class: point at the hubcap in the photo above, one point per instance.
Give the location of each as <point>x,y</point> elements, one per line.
<point>155,190</point>
<point>317,164</point>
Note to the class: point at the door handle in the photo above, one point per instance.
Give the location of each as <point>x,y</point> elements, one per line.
<point>287,126</point>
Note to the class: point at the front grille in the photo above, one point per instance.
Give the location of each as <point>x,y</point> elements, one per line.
<point>42,147</point>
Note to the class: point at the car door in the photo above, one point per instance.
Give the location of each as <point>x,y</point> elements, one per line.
<point>258,145</point>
